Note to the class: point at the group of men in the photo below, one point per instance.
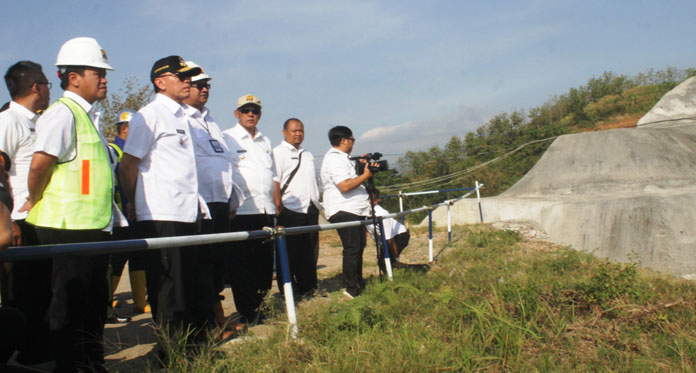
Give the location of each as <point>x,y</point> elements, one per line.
<point>178,174</point>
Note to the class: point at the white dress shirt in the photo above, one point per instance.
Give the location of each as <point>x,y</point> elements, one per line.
<point>391,226</point>
<point>213,159</point>
<point>18,140</point>
<point>252,161</point>
<point>167,186</point>
<point>303,189</point>
<point>335,168</point>
<point>55,129</point>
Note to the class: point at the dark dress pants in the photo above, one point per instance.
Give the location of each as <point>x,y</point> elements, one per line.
<point>301,260</point>
<point>250,266</point>
<point>220,223</point>
<point>78,306</point>
<point>313,217</point>
<point>137,260</point>
<point>179,282</point>
<point>353,241</point>
<point>30,284</point>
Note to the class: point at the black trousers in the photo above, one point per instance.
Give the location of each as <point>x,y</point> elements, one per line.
<point>402,240</point>
<point>12,324</point>
<point>313,217</point>
<point>30,284</point>
<point>250,265</point>
<point>353,241</point>
<point>179,279</point>
<point>220,223</point>
<point>137,260</point>
<point>301,257</point>
<point>79,302</point>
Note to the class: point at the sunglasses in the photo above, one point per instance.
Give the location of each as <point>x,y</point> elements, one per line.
<point>201,85</point>
<point>247,110</point>
<point>180,76</point>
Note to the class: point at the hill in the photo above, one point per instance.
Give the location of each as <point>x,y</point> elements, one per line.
<point>510,144</point>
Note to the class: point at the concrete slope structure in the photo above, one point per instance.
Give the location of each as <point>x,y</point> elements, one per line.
<point>625,194</point>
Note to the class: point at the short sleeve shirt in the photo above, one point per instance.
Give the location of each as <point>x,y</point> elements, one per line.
<point>55,129</point>
<point>335,168</point>
<point>302,189</point>
<point>252,161</point>
<point>167,185</point>
<point>18,140</point>
<point>391,226</point>
<point>213,159</point>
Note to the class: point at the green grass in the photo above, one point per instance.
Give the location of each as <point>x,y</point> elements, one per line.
<point>494,302</point>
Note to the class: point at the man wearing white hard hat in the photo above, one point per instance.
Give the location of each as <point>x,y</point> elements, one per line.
<point>71,200</point>
<point>214,169</point>
<point>250,263</point>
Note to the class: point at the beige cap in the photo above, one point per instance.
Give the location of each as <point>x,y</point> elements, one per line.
<point>248,99</point>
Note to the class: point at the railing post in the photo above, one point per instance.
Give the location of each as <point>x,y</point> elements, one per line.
<point>478,198</point>
<point>430,236</point>
<point>401,206</point>
<point>385,248</point>
<point>449,222</point>
<point>287,284</point>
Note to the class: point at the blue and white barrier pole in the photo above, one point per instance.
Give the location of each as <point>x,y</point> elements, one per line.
<point>287,283</point>
<point>385,247</point>
<point>478,198</point>
<point>401,206</point>
<point>430,234</point>
<point>449,222</point>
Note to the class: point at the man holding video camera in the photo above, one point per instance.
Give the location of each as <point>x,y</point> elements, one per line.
<point>346,199</point>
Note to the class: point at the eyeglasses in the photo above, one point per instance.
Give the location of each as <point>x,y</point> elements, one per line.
<point>253,110</point>
<point>181,77</point>
<point>200,85</point>
<point>351,138</point>
<point>49,85</point>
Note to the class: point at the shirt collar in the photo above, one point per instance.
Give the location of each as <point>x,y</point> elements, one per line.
<point>338,151</point>
<point>292,147</point>
<point>192,111</point>
<point>170,104</point>
<point>242,132</point>
<point>24,111</point>
<point>80,101</point>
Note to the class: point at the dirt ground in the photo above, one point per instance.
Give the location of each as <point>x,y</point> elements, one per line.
<point>130,346</point>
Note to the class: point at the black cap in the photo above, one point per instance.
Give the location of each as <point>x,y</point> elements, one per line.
<point>172,64</point>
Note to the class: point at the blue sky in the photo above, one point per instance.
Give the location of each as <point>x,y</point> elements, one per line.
<point>404,75</point>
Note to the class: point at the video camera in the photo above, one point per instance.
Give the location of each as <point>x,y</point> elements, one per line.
<point>369,158</point>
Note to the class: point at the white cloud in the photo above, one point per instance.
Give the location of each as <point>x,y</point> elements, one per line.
<point>421,134</point>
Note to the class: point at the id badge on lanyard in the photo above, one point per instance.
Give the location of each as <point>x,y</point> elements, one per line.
<point>216,146</point>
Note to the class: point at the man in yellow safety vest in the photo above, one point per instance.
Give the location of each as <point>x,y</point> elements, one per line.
<point>71,200</point>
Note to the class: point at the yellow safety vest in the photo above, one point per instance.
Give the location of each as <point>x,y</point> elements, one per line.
<point>118,150</point>
<point>117,195</point>
<point>79,194</point>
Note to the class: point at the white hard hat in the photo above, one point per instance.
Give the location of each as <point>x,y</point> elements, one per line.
<point>82,51</point>
<point>125,116</point>
<point>201,76</point>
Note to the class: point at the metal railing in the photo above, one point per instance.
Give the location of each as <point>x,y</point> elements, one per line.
<point>114,247</point>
